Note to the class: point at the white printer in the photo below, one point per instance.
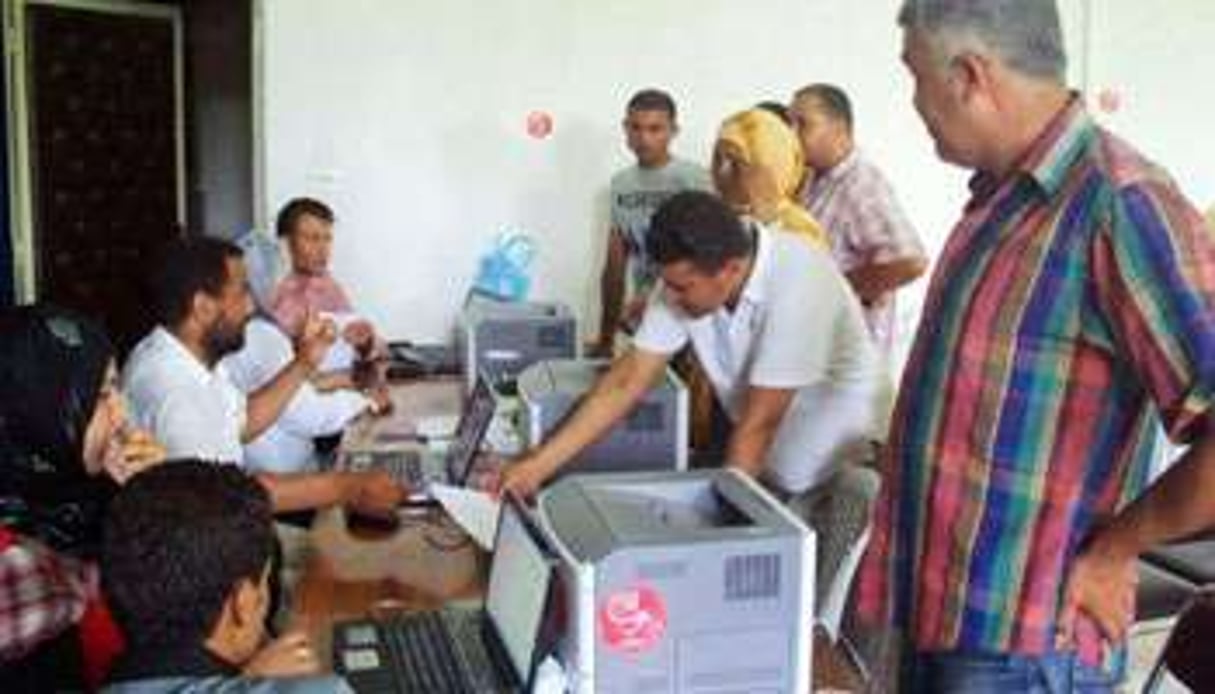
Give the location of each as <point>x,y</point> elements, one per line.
<point>654,435</point>
<point>501,338</point>
<point>681,582</point>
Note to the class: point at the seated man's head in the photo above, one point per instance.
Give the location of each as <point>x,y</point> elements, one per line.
<point>703,249</point>
<point>307,226</point>
<point>203,294</point>
<point>185,560</point>
<point>650,125</point>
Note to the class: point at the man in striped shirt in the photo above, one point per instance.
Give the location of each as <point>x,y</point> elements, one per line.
<point>1071,315</point>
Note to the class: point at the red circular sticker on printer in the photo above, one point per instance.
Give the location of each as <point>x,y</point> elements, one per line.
<point>633,620</point>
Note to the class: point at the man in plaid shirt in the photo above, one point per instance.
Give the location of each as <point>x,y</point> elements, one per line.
<point>1070,318</point>
<point>874,243</point>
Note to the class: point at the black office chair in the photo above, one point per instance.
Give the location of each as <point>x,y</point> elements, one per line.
<point>1188,657</point>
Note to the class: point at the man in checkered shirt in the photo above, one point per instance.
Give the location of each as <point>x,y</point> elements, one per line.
<point>875,245</point>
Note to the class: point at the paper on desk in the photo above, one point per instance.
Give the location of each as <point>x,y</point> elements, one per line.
<point>476,512</point>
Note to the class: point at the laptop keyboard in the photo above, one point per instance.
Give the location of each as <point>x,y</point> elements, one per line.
<point>467,628</point>
<point>404,467</point>
<point>425,656</point>
<point>406,470</point>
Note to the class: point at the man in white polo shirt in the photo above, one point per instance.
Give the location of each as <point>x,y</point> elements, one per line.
<point>775,326</point>
<point>179,390</point>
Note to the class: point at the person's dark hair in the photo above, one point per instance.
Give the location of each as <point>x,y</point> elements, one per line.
<point>697,227</point>
<point>178,539</point>
<point>653,100</point>
<point>777,109</point>
<point>52,365</point>
<point>290,215</point>
<point>188,266</point>
<point>833,100</point>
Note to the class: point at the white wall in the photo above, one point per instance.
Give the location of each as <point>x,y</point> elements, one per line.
<point>1160,58</point>
<point>409,117</point>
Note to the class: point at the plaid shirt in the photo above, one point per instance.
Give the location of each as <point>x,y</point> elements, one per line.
<point>1069,317</point>
<point>858,208</point>
<point>41,594</point>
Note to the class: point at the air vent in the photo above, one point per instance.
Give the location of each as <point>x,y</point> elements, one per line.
<point>752,577</point>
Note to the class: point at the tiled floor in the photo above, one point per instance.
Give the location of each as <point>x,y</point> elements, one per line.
<point>1146,642</point>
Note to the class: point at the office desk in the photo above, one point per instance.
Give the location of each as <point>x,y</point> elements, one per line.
<point>426,561</point>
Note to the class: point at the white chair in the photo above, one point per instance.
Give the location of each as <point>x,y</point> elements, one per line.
<point>263,261</point>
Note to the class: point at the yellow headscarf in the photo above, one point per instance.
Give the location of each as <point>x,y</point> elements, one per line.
<point>760,141</point>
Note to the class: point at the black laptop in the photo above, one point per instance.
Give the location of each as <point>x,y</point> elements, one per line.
<point>494,648</point>
<point>418,469</point>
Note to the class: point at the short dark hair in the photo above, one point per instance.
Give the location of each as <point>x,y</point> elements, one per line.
<point>188,266</point>
<point>777,109</point>
<point>177,539</point>
<point>834,101</point>
<point>290,215</point>
<point>698,227</point>
<point>653,100</point>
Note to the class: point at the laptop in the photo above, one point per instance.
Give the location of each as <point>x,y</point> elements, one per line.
<point>418,469</point>
<point>493,648</point>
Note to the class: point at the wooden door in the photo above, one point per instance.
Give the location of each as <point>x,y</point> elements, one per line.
<point>105,158</point>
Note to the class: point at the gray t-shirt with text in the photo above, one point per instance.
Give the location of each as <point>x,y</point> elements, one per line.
<point>636,193</point>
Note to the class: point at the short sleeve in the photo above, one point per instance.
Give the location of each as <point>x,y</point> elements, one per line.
<point>1155,267</point>
<point>794,343</point>
<point>662,331</point>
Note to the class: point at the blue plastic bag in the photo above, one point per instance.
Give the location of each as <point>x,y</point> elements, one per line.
<point>504,272</point>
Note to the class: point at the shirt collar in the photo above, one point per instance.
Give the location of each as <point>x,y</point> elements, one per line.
<point>843,168</point>
<point>191,661</point>
<point>1047,161</point>
<point>305,281</point>
<point>181,353</point>
<point>754,289</point>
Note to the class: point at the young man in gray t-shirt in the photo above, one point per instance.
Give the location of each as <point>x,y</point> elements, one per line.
<point>636,192</point>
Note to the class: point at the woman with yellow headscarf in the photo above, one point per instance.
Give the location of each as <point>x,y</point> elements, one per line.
<point>758,168</point>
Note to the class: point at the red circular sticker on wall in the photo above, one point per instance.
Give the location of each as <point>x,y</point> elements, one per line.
<point>539,124</point>
<point>633,620</point>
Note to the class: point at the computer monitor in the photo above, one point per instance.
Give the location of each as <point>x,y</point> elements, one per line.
<point>520,587</point>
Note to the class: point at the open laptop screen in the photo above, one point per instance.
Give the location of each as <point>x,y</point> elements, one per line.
<point>478,413</point>
<point>519,583</point>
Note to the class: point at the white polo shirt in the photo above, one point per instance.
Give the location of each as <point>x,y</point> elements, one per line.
<point>192,410</point>
<point>796,325</point>
<point>287,445</point>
